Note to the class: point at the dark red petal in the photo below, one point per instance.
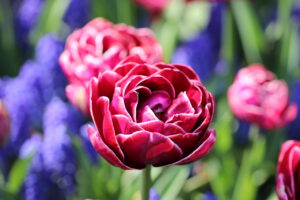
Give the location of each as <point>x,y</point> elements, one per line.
<point>124,125</point>
<point>187,142</point>
<point>177,78</point>
<point>179,105</point>
<point>157,82</point>
<point>106,128</point>
<point>188,71</point>
<point>117,105</point>
<point>187,121</point>
<point>104,150</point>
<point>146,115</point>
<point>134,147</point>
<point>205,145</point>
<point>131,101</point>
<point>161,127</point>
<point>148,148</point>
<point>106,83</point>
<point>204,119</point>
<point>195,96</point>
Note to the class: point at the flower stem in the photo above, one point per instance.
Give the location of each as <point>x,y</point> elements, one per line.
<point>146,182</point>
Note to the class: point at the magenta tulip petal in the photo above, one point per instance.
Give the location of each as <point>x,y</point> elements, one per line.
<point>178,79</point>
<point>131,101</point>
<point>107,82</point>
<point>160,127</point>
<point>188,71</point>
<point>185,121</point>
<point>108,132</point>
<point>288,171</point>
<point>206,143</point>
<point>123,125</point>
<point>104,150</point>
<point>157,83</point>
<point>179,105</point>
<point>187,142</point>
<point>149,148</point>
<point>158,101</point>
<point>117,105</point>
<point>146,115</point>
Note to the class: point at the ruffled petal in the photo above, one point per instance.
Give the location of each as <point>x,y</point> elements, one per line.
<point>106,128</point>
<point>148,148</point>
<point>205,145</point>
<point>165,129</point>
<point>104,150</point>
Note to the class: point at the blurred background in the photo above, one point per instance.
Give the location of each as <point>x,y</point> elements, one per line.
<point>47,154</point>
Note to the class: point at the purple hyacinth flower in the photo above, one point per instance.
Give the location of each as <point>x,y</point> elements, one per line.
<point>52,73</point>
<point>31,146</point>
<point>52,171</point>
<point>202,51</point>
<point>209,196</point>
<point>153,195</point>
<point>27,16</point>
<point>294,127</point>
<point>60,114</point>
<point>77,13</point>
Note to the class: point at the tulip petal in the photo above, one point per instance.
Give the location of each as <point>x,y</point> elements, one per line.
<point>148,148</point>
<point>157,83</point>
<point>123,125</point>
<point>106,83</point>
<point>104,150</point>
<point>165,129</point>
<point>178,79</point>
<point>117,105</point>
<point>205,145</point>
<point>179,105</point>
<point>106,128</point>
<point>187,142</point>
<point>187,121</point>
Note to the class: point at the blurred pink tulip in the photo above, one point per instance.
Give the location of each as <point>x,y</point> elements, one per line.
<point>98,47</point>
<point>257,97</point>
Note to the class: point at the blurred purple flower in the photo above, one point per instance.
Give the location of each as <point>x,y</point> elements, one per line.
<point>153,195</point>
<point>90,151</point>
<point>52,171</point>
<point>294,127</point>
<point>77,13</point>
<point>209,196</point>
<point>202,51</point>
<point>60,114</point>
<point>31,146</point>
<point>27,16</point>
<point>241,135</point>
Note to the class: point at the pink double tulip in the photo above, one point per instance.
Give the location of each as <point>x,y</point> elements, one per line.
<point>98,47</point>
<point>257,97</point>
<point>4,123</point>
<point>288,171</point>
<point>150,114</point>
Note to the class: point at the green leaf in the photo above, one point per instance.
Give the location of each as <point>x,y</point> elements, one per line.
<point>176,185</point>
<point>195,17</point>
<point>51,19</point>
<point>17,174</point>
<point>250,31</point>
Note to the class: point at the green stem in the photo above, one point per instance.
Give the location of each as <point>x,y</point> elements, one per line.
<point>146,182</point>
